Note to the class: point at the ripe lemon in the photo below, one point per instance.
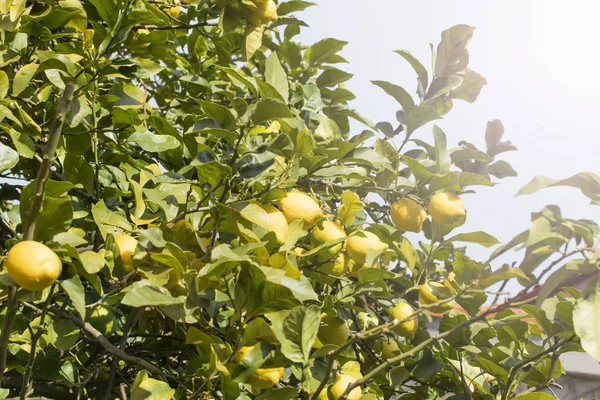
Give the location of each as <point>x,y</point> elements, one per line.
<point>408,215</point>
<point>175,11</point>
<point>340,385</point>
<point>389,347</point>
<point>332,330</point>
<point>127,245</point>
<point>446,208</point>
<point>326,232</point>
<point>280,261</point>
<point>33,265</point>
<point>101,318</point>
<point>336,268</point>
<point>402,311</point>
<point>278,222</point>
<point>357,246</point>
<point>265,378</point>
<point>242,353</point>
<point>426,297</point>
<point>265,11</point>
<point>298,205</point>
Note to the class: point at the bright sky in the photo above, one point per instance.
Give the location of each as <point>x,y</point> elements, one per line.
<point>540,59</point>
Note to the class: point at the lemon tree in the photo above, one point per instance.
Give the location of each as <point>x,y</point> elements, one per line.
<point>191,208</point>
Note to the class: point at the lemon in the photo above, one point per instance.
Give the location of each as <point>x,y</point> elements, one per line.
<point>340,385</point>
<point>280,261</point>
<point>242,353</point>
<point>266,10</point>
<point>323,395</point>
<point>33,265</point>
<point>298,205</point>
<point>389,347</point>
<point>175,11</point>
<point>400,312</point>
<point>426,297</point>
<point>408,215</point>
<point>336,268</point>
<point>265,378</point>
<point>101,318</point>
<point>357,246</point>
<point>332,330</point>
<point>279,224</point>
<point>127,245</point>
<point>326,232</point>
<point>446,208</point>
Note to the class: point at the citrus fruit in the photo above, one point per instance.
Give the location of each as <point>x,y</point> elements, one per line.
<point>408,215</point>
<point>265,378</point>
<point>400,312</point>
<point>427,296</point>
<point>298,205</point>
<point>265,11</point>
<point>326,232</point>
<point>101,318</point>
<point>446,208</point>
<point>340,385</point>
<point>389,347</point>
<point>279,224</point>
<point>358,246</point>
<point>127,245</point>
<point>336,268</point>
<point>332,330</point>
<point>32,265</point>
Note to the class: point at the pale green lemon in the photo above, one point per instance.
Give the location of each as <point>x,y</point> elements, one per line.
<point>400,312</point>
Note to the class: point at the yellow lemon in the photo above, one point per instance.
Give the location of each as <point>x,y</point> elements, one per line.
<point>326,232</point>
<point>280,261</point>
<point>127,245</point>
<point>340,385</point>
<point>242,353</point>
<point>298,205</point>
<point>389,347</point>
<point>265,378</point>
<point>175,11</point>
<point>357,246</point>
<point>33,265</point>
<point>332,330</point>
<point>426,297</point>
<point>446,208</point>
<point>400,312</point>
<point>278,222</point>
<point>102,319</point>
<point>265,11</point>
<point>408,215</point>
<point>323,395</point>
<point>335,268</point>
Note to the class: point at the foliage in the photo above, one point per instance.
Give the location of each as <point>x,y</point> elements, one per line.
<point>173,123</point>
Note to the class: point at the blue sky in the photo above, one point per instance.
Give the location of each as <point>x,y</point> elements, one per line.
<point>539,58</point>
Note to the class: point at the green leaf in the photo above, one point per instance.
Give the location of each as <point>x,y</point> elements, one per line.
<point>269,109</point>
<point>4,84</point>
<point>587,182</point>
<point>8,158</point>
<point>470,87</point>
<point>92,262</point>
<point>586,319</point>
<point>422,75</point>
<point>219,113</point>
<point>107,9</point>
<point>293,6</point>
<point>535,396</point>
<point>275,76</point>
<point>23,77</point>
<point>370,275</point>
<point>331,77</point>
<point>501,169</point>
<point>442,85</point>
<point>482,238</point>
<point>252,41</point>
<point>501,274</point>
<point>409,253</point>
<point>321,51</point>
<point>146,295</point>
<point>452,55</point>
<point>350,205</point>
<point>67,334</point>
<point>154,143</point>
<point>298,332</point>
<point>442,159</point>
<point>419,116</point>
<point>108,220</point>
<point>145,388</point>
<point>397,92</point>
<point>305,143</point>
<point>76,292</point>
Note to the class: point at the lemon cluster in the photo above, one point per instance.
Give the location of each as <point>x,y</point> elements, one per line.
<point>445,208</point>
